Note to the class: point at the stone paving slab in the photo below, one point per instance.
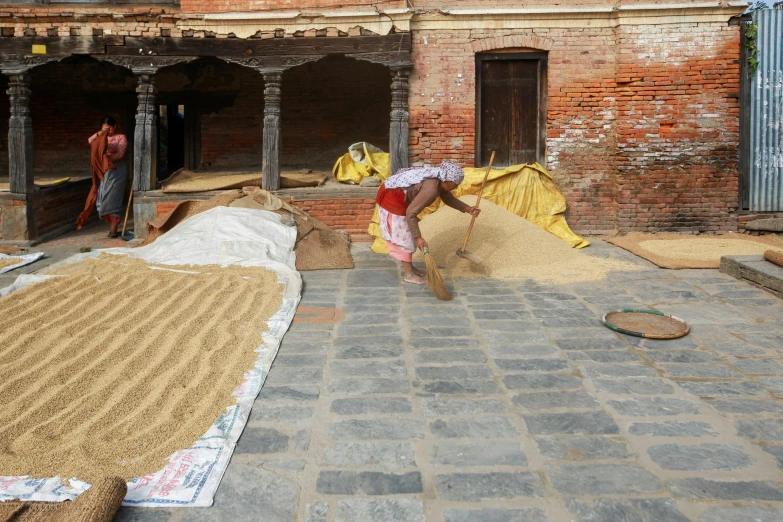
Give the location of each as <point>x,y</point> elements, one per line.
<point>513,403</point>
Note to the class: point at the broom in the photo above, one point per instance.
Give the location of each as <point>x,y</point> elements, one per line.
<point>434,278</point>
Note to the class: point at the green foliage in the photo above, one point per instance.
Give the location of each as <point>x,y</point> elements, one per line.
<point>751,33</point>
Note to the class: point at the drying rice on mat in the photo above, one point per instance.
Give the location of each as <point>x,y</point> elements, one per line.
<point>9,261</point>
<point>116,366</point>
<point>510,247</point>
<point>677,251</point>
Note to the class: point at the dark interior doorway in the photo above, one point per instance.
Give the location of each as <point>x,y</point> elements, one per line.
<point>171,139</point>
<point>511,108</point>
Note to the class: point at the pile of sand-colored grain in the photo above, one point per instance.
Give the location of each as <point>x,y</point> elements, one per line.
<point>9,261</point>
<point>116,366</point>
<point>510,248</point>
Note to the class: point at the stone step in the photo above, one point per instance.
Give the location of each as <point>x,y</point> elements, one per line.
<point>756,270</point>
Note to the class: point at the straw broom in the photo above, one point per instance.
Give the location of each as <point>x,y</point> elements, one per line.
<point>434,278</point>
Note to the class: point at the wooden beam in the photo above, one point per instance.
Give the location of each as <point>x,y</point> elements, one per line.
<point>58,45</point>
<point>148,46</point>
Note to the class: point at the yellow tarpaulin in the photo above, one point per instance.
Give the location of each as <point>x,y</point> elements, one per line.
<point>526,190</point>
<point>361,161</point>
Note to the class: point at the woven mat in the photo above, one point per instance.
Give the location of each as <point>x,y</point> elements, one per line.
<point>631,243</point>
<point>203,181</point>
<point>98,504</point>
<point>9,249</point>
<point>207,180</point>
<point>774,257</point>
<point>297,180</point>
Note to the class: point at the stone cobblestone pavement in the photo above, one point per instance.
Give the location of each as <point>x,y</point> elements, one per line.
<point>513,403</point>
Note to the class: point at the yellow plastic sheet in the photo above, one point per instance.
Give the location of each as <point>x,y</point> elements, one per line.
<point>526,190</point>
<point>361,161</point>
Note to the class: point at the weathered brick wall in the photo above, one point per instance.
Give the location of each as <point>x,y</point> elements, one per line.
<point>351,215</point>
<point>210,6</point>
<point>330,104</point>
<point>677,127</point>
<point>60,20</point>
<point>641,121</point>
<point>580,147</point>
<point>234,135</point>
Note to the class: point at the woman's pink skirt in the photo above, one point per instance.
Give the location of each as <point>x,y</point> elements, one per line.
<point>397,234</point>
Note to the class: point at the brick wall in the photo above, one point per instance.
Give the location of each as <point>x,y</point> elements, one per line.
<point>326,106</point>
<point>234,135</point>
<point>351,215</point>
<point>642,121</point>
<point>677,127</point>
<point>209,6</point>
<point>330,104</point>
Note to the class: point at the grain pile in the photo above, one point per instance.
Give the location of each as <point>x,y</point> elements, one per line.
<point>9,261</point>
<point>112,369</point>
<point>510,248</point>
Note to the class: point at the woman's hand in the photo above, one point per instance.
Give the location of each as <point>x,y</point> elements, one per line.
<point>421,244</point>
<point>473,211</point>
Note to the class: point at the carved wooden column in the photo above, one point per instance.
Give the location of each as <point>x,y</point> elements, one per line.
<point>192,136</point>
<point>20,135</point>
<point>398,130</point>
<point>271,160</point>
<point>145,136</point>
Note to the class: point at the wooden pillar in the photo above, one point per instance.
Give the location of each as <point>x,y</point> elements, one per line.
<point>192,137</point>
<point>20,135</point>
<point>145,135</point>
<point>398,130</point>
<point>271,159</point>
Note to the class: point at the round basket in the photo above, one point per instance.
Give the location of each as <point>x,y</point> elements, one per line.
<point>649,324</point>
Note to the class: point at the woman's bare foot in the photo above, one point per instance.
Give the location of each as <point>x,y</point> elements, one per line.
<point>418,272</point>
<point>415,279</point>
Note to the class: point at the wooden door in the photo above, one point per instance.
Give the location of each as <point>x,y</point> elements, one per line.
<point>510,105</point>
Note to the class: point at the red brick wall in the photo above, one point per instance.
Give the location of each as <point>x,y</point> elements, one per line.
<point>234,135</point>
<point>677,127</point>
<point>350,215</point>
<point>641,121</point>
<point>209,6</point>
<point>326,106</point>
<point>330,104</point>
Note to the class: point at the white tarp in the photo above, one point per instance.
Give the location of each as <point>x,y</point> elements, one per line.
<point>24,259</point>
<point>222,236</point>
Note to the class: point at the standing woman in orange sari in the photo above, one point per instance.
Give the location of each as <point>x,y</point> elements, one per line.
<point>111,191</point>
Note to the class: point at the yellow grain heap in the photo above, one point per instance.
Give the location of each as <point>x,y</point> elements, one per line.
<point>510,248</point>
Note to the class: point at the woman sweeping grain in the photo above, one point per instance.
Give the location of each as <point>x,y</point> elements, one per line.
<point>400,200</point>
<point>111,189</point>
